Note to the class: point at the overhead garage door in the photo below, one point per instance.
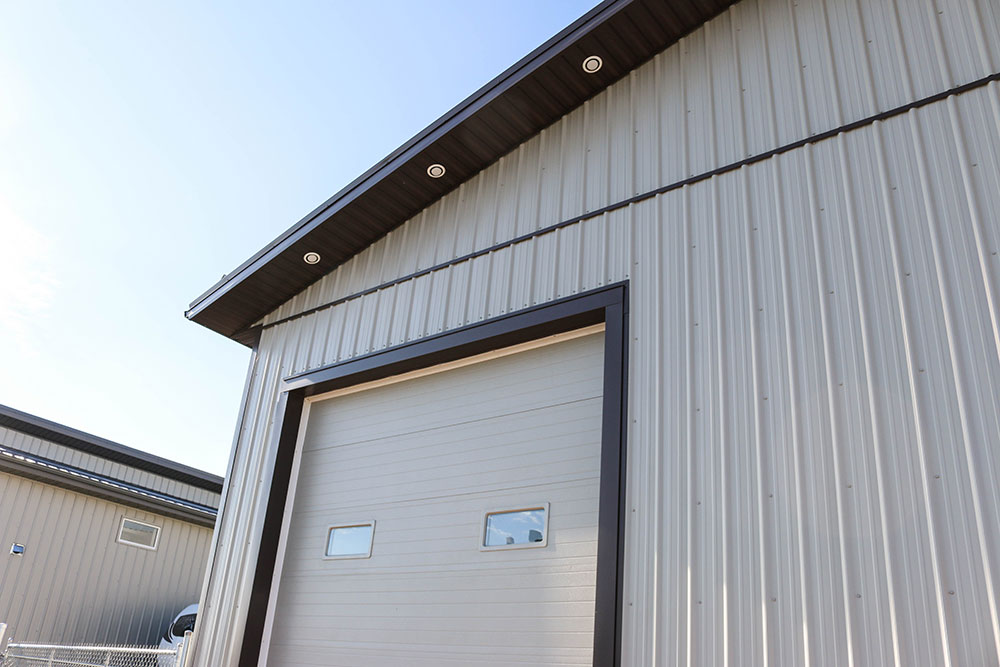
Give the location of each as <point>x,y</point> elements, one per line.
<point>414,470</point>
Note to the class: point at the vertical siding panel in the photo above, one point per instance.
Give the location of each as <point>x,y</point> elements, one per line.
<point>880,600</point>
<point>687,464</point>
<point>951,306</point>
<point>501,276</point>
<point>75,583</point>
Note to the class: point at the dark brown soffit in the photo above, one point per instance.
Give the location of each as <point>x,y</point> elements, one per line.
<point>531,95</point>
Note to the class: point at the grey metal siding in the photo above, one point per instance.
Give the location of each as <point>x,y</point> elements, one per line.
<point>763,75</point>
<point>102,466</point>
<point>75,582</point>
<point>815,365</point>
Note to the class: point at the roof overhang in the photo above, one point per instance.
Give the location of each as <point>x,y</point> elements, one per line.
<point>85,442</point>
<point>528,97</point>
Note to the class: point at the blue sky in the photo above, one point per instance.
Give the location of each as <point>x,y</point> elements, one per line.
<point>148,148</point>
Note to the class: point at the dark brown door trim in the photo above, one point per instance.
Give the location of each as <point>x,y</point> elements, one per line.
<point>608,305</point>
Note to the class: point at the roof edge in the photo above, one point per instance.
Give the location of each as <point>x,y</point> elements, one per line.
<point>507,79</point>
<point>92,444</point>
<point>47,471</point>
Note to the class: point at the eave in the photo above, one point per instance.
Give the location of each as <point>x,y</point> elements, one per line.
<point>521,102</point>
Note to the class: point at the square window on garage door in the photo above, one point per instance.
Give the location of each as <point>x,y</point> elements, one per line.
<point>352,540</point>
<point>516,528</point>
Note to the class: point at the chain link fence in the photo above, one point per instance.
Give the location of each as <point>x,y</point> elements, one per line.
<point>56,655</point>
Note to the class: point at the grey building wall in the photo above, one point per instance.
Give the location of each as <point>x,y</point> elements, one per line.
<point>814,441</point>
<point>57,452</point>
<point>76,582</point>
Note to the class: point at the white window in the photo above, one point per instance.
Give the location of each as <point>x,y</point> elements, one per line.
<point>138,534</point>
<point>350,540</point>
<point>520,528</point>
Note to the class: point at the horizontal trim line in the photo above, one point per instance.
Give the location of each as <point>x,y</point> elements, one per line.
<point>66,436</point>
<point>103,482</point>
<point>691,180</point>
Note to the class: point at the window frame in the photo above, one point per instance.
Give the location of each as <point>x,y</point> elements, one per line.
<point>512,509</point>
<point>121,540</point>
<point>349,524</point>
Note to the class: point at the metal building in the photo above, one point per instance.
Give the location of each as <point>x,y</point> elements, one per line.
<point>101,543</point>
<point>707,294</point>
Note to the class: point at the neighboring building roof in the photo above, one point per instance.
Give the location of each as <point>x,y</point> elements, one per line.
<point>85,442</point>
<point>527,98</point>
<point>42,469</point>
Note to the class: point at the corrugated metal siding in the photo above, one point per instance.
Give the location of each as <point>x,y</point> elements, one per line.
<point>764,74</point>
<point>815,369</point>
<point>75,582</point>
<point>130,474</point>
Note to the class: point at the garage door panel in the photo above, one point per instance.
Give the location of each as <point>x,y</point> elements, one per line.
<point>425,458</point>
<point>461,474</point>
<point>434,401</point>
<point>408,616</point>
<point>526,475</point>
<point>355,425</point>
<point>456,529</point>
<point>575,496</point>
<point>573,540</point>
<point>352,654</point>
<point>341,589</point>
<point>472,439</point>
<point>419,561</point>
<point>433,635</point>
<point>463,623</point>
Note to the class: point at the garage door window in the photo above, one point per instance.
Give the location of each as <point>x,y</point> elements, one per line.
<point>138,534</point>
<point>516,528</point>
<point>353,540</point>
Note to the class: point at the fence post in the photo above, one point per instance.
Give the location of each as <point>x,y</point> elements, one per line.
<point>3,637</point>
<point>180,653</point>
<point>185,657</point>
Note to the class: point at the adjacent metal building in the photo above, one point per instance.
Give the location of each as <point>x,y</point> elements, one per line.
<point>101,543</point>
<point>759,244</point>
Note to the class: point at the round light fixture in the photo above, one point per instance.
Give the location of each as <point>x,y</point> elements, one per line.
<point>311,258</point>
<point>435,170</point>
<point>591,64</point>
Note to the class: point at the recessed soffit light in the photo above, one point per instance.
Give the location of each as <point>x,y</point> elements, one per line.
<point>436,170</point>
<point>592,64</point>
<point>311,258</point>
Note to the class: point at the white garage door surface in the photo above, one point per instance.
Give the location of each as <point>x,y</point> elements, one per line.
<point>424,458</point>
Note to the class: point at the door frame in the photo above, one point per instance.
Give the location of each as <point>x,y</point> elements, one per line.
<point>608,305</point>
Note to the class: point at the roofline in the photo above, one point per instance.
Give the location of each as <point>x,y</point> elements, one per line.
<point>92,444</point>
<point>469,106</point>
<point>47,471</point>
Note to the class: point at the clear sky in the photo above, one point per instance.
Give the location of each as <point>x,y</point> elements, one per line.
<point>147,148</point>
